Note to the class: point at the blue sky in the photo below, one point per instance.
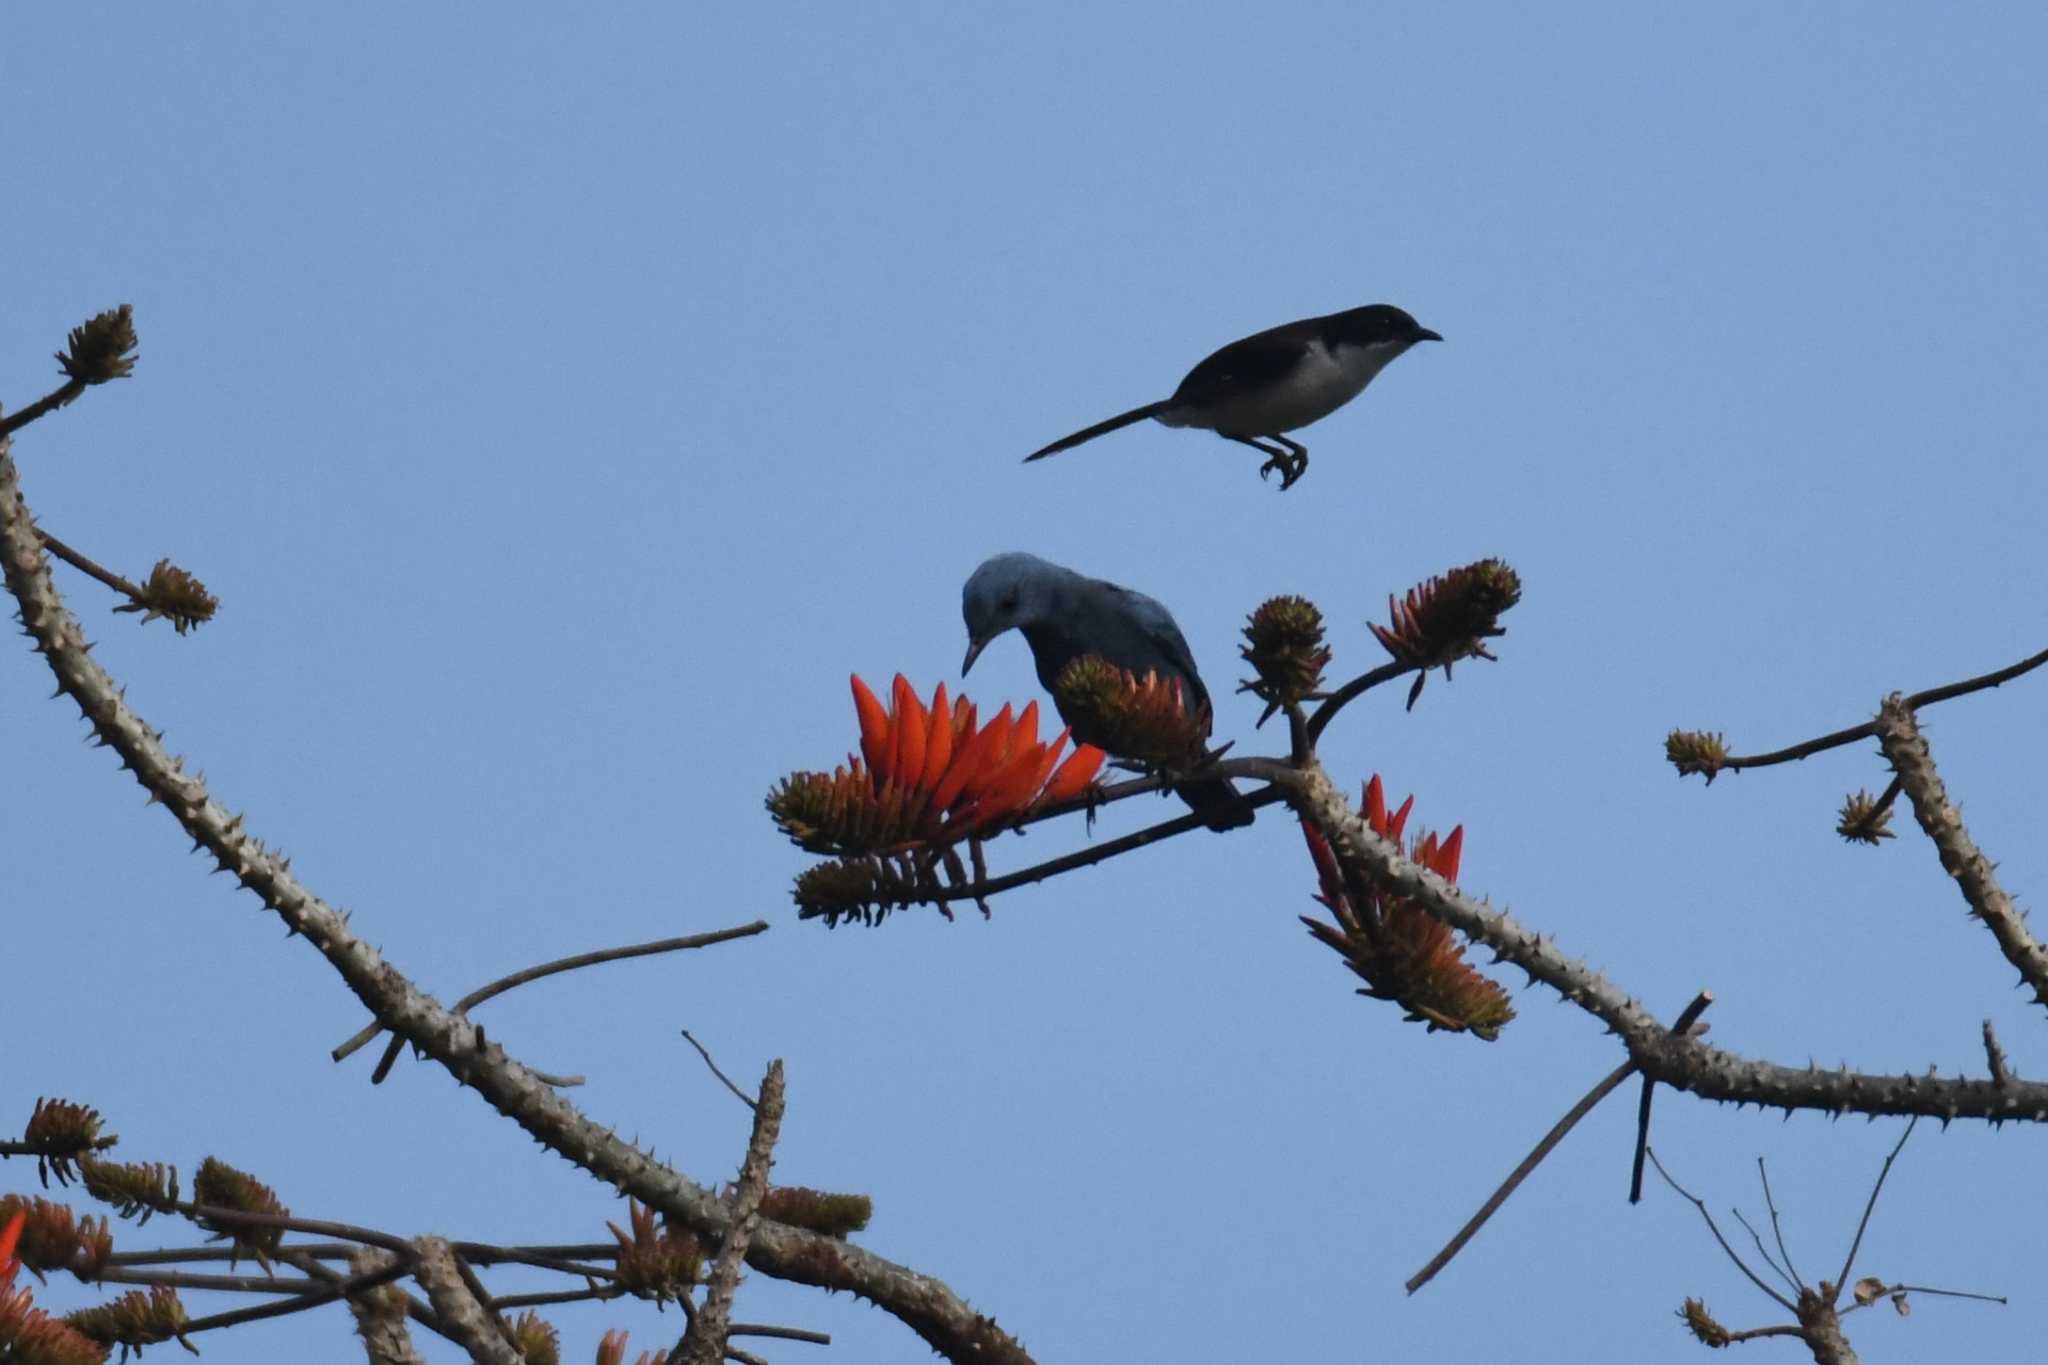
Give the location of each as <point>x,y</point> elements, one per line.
<point>563,404</point>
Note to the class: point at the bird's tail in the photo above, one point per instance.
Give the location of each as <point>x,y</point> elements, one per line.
<point>1122,419</point>
<point>1219,804</point>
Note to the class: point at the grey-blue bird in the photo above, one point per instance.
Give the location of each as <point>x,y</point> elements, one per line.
<point>1065,616</point>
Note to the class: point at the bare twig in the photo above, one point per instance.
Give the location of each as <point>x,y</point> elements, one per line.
<point>1349,692</point>
<point>1714,1228</point>
<point>1542,1149</point>
<point>1682,1027</point>
<point>48,403</point>
<point>984,887</point>
<point>1849,1261</point>
<point>1855,732</point>
<point>744,1097</point>
<point>355,1284</point>
<point>568,964</point>
<point>1764,1252</point>
<point>131,591</point>
<point>705,1341</point>
<point>1898,732</point>
<point>1777,1229</point>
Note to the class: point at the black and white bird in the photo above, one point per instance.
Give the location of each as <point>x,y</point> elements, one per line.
<point>1276,381</point>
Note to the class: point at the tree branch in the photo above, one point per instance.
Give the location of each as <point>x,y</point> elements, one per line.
<point>435,1267</point>
<point>1349,692</point>
<point>1898,733</point>
<point>705,1341</point>
<point>926,1305</point>
<point>1855,732</point>
<point>1683,1062</point>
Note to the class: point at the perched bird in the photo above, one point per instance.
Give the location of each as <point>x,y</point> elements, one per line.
<point>1276,381</point>
<point>1065,616</point>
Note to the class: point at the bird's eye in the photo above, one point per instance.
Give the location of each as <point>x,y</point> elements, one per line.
<point>1008,604</point>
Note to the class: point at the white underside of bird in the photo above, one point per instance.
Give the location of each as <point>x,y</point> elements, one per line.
<point>1324,381</point>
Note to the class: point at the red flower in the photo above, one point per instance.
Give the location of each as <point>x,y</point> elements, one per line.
<point>928,775</point>
<point>1402,952</point>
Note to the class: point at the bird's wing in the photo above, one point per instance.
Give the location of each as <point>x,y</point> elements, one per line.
<point>1263,358</point>
<point>1162,637</point>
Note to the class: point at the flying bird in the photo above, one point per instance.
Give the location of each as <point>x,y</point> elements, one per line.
<point>1065,616</point>
<point>1276,381</point>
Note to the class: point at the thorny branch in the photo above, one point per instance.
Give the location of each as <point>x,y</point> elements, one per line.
<point>926,1305</point>
<point>1898,733</point>
<point>705,1341</point>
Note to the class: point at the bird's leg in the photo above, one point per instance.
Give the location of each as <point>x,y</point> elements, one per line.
<point>1276,458</point>
<point>1299,464</point>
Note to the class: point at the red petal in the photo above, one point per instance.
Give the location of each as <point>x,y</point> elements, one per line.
<point>909,720</point>
<point>1400,820</point>
<point>874,730</point>
<point>938,741</point>
<point>8,1240</point>
<point>1447,857</point>
<point>1376,806</point>
<point>1075,774</point>
<point>996,751</point>
<point>968,754</point>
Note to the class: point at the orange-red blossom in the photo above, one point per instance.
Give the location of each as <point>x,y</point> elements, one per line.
<point>955,774</point>
<point>928,774</point>
<point>1401,951</point>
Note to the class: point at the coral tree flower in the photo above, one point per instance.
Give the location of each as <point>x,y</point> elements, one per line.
<point>27,1332</point>
<point>929,774</point>
<point>1402,952</point>
<point>1451,617</point>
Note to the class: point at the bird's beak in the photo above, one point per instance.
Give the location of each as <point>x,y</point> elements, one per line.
<point>974,649</point>
<point>1424,334</point>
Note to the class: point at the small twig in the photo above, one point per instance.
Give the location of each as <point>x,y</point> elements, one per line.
<point>86,566</point>
<point>1764,1252</point>
<point>543,1300</point>
<point>1530,1162</point>
<point>226,1284</point>
<point>355,1284</point>
<point>1777,1230</point>
<point>705,1341</point>
<point>479,1253</point>
<point>1869,728</point>
<point>744,1097</point>
<point>1344,695</point>
<point>1994,1056</point>
<point>1683,1027</point>
<point>317,1226</point>
<point>48,403</point>
<point>566,964</point>
<point>10,1148</point>
<point>1714,1228</point>
<point>1849,1262</point>
<point>762,1329</point>
<point>981,888</point>
<point>733,1352</point>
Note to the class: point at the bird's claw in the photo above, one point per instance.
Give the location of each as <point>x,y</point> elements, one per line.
<point>1291,469</point>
